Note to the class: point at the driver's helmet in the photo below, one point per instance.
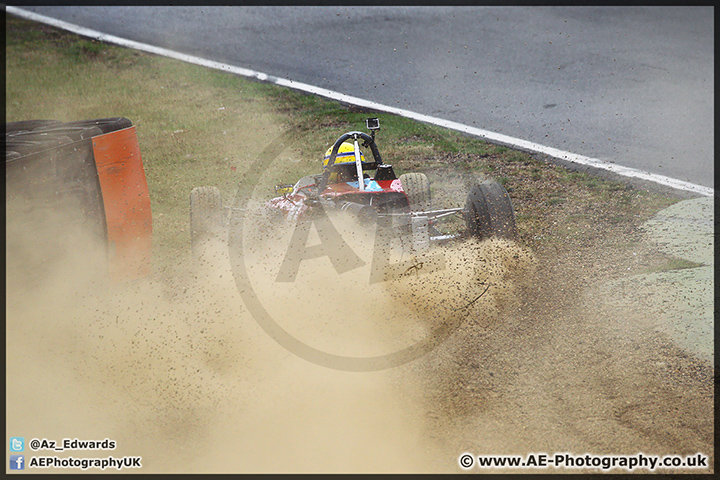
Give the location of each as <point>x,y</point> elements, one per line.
<point>346,154</point>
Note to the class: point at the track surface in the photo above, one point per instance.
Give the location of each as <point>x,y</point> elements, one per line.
<point>629,85</point>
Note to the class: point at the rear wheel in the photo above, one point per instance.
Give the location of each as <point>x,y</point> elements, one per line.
<point>417,190</point>
<point>489,212</point>
<point>206,217</point>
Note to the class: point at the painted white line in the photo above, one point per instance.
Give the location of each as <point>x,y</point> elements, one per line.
<point>488,135</point>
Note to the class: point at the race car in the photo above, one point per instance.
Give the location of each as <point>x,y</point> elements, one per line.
<point>369,189</point>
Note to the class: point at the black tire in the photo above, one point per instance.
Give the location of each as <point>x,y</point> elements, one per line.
<point>489,212</point>
<point>417,190</point>
<point>206,216</point>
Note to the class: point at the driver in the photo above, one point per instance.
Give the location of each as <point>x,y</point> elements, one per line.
<point>344,169</point>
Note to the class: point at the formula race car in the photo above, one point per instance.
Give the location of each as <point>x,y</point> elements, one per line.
<point>370,190</point>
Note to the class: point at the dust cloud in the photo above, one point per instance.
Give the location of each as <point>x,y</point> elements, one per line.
<point>183,376</point>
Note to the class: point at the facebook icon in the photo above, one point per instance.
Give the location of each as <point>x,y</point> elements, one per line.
<point>17,462</point>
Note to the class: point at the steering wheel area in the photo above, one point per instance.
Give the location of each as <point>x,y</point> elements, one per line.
<point>368,141</point>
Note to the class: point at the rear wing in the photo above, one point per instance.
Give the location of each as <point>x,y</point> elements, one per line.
<point>96,166</point>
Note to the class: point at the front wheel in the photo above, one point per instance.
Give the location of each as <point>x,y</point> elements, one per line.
<point>489,212</point>
<point>417,191</point>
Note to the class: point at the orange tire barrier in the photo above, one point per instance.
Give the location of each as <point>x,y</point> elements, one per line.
<point>127,203</point>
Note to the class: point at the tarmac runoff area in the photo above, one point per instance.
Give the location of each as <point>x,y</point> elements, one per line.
<point>678,303</point>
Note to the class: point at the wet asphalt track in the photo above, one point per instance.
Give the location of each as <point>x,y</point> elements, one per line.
<point>627,85</point>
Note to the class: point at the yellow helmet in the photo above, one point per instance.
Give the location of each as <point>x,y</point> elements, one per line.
<point>346,154</point>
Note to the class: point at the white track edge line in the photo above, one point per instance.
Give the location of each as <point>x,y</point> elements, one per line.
<point>497,137</point>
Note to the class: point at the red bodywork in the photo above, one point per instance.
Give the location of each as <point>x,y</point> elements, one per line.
<point>382,195</point>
